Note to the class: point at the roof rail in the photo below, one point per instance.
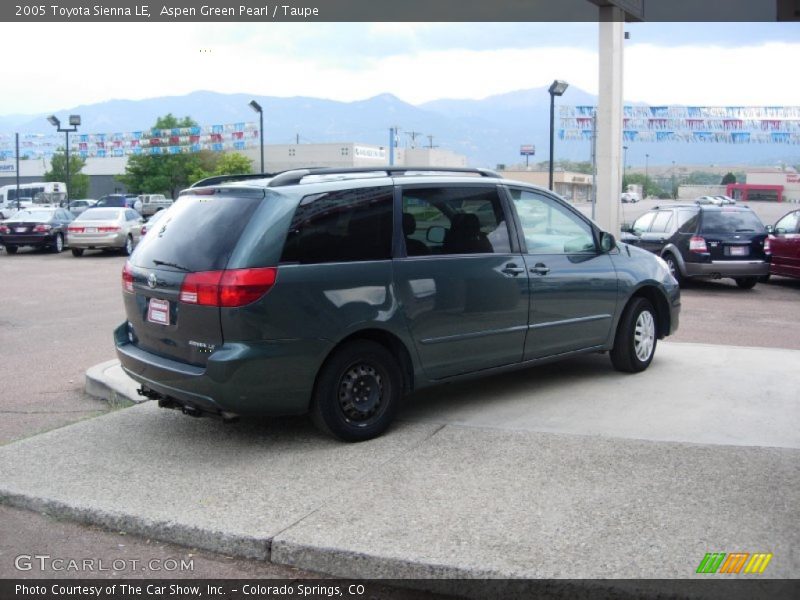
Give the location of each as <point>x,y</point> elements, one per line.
<point>296,176</point>
<point>216,179</point>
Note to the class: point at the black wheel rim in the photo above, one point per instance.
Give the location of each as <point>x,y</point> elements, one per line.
<point>361,394</point>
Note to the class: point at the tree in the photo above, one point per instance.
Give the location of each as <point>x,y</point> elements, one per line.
<point>162,173</point>
<point>77,182</point>
<point>170,173</point>
<point>728,178</point>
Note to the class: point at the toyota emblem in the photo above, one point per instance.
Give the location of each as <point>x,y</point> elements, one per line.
<point>152,280</point>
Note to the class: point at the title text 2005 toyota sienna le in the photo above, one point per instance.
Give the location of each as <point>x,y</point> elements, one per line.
<point>337,292</point>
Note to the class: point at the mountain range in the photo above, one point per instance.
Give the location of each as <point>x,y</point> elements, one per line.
<point>488,131</point>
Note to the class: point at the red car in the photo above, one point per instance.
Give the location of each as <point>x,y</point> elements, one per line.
<point>785,244</point>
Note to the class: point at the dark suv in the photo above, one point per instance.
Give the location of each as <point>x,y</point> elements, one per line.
<point>337,292</point>
<point>705,241</point>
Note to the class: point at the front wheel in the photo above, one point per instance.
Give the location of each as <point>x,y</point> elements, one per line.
<point>77,252</point>
<point>746,283</point>
<point>357,392</point>
<point>637,336</point>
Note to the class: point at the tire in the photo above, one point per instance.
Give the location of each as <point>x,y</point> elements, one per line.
<point>58,244</point>
<point>764,278</point>
<point>746,283</point>
<point>359,373</point>
<point>127,249</point>
<point>637,337</point>
<point>77,252</point>
<point>674,268</point>
<point>11,249</point>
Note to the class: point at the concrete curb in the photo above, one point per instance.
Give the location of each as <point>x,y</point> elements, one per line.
<point>109,382</point>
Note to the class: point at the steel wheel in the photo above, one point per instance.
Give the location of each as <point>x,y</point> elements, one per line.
<point>357,391</point>
<point>644,336</point>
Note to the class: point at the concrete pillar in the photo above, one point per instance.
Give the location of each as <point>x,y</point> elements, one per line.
<point>609,119</point>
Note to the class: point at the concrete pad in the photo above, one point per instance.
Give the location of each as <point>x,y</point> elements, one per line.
<point>479,503</point>
<point>196,482</point>
<point>109,382</point>
<point>698,393</point>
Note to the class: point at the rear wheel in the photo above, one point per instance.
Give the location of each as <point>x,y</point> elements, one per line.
<point>77,252</point>
<point>11,249</point>
<point>128,249</point>
<point>58,244</point>
<point>637,336</point>
<point>764,278</point>
<point>674,267</point>
<point>357,392</point>
<point>746,283</point>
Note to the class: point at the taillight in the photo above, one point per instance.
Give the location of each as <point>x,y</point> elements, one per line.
<point>4,229</point>
<point>127,278</point>
<point>697,244</point>
<point>74,229</point>
<point>231,288</point>
<point>144,230</point>
<point>42,228</point>
<point>767,247</point>
<point>107,229</point>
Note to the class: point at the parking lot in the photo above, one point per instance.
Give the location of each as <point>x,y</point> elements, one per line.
<point>56,321</point>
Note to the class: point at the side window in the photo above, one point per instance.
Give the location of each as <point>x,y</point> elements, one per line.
<point>788,224</point>
<point>341,226</point>
<point>549,227</point>
<point>130,215</point>
<point>642,224</point>
<point>454,220</point>
<point>662,222</point>
<point>690,225</point>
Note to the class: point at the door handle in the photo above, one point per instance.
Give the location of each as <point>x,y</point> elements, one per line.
<point>512,269</point>
<point>540,269</point>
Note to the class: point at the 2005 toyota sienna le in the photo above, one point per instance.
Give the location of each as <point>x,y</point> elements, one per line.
<point>336,292</point>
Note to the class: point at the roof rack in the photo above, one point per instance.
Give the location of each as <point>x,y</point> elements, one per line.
<point>217,179</point>
<point>296,176</point>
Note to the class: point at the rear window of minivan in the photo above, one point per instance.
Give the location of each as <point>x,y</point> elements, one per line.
<point>723,221</point>
<point>198,233</point>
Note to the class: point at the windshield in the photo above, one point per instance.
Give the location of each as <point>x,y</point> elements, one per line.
<point>99,214</point>
<point>731,222</point>
<point>32,215</point>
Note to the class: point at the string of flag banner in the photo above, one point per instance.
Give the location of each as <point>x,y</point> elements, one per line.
<point>715,124</point>
<point>182,140</point>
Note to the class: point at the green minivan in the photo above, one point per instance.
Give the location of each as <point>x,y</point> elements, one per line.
<point>338,291</point>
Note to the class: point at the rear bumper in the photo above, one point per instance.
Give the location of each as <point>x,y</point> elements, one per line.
<point>258,378</point>
<point>114,240</point>
<point>728,268</point>
<point>27,240</point>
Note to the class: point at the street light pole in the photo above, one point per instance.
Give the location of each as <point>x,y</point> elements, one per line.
<point>257,107</point>
<point>557,88</point>
<point>74,121</point>
<point>674,190</point>
<point>646,164</point>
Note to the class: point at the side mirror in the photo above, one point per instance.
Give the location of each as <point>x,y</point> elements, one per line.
<point>436,234</point>
<point>770,228</point>
<point>626,228</point>
<point>607,242</point>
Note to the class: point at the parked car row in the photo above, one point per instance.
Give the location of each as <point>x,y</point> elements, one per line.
<point>95,228</point>
<point>716,240</point>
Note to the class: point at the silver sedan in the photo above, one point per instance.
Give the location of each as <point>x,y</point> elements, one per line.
<point>105,229</point>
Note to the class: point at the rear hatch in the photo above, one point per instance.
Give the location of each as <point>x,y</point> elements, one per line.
<point>733,233</point>
<point>189,245</point>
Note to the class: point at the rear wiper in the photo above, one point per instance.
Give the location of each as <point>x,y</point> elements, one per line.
<point>170,264</point>
<point>741,230</point>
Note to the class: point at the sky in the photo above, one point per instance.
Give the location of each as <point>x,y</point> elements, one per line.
<point>64,65</point>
